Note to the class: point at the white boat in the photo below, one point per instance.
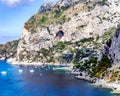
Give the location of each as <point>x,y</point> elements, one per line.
<point>31,71</point>
<point>3,72</point>
<point>20,70</point>
<point>41,74</point>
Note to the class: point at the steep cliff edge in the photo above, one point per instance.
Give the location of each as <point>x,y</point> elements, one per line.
<point>111,76</point>
<point>51,35</point>
<point>104,69</point>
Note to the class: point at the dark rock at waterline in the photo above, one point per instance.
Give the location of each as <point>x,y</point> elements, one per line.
<point>91,80</point>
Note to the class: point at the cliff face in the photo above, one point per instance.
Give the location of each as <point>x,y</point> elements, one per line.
<point>114,50</point>
<point>46,7</point>
<point>110,58</point>
<point>73,32</point>
<point>60,3</point>
<point>51,35</point>
<point>8,50</point>
<point>111,47</point>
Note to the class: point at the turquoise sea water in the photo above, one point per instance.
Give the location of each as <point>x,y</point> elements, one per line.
<point>38,81</point>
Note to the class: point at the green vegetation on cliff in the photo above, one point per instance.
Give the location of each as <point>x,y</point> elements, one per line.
<point>108,34</point>
<point>101,66</point>
<point>87,60</point>
<point>9,49</point>
<point>52,17</point>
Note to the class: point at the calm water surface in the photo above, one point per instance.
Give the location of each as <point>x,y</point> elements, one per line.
<point>44,82</point>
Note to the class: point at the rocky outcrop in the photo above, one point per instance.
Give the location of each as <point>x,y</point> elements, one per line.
<point>110,77</point>
<point>114,48</point>
<point>111,47</point>
<point>59,4</point>
<point>46,7</point>
<point>40,41</point>
<point>8,50</point>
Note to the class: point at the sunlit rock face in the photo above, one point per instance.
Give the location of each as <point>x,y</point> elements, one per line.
<point>40,42</point>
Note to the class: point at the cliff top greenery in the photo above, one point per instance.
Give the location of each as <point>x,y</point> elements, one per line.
<point>52,17</point>
<point>58,15</point>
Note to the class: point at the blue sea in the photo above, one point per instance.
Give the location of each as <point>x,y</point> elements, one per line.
<point>43,81</point>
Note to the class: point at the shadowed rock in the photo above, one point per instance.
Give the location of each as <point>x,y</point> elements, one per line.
<point>60,34</point>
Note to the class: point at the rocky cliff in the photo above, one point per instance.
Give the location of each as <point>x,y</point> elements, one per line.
<point>84,34</point>
<point>114,52</point>
<point>57,32</point>
<point>111,49</point>
<point>8,50</point>
<point>110,77</point>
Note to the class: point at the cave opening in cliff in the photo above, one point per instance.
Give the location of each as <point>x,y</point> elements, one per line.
<point>60,34</point>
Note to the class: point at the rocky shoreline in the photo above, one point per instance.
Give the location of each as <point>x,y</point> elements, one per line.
<point>13,62</point>
<point>82,76</point>
<point>72,39</point>
<point>78,74</point>
<point>115,86</point>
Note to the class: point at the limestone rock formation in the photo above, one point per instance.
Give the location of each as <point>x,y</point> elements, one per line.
<point>8,50</point>
<point>111,47</point>
<point>46,7</point>
<point>40,42</point>
<point>114,50</point>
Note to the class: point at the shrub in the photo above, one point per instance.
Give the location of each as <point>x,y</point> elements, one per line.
<point>90,8</point>
<point>44,51</point>
<point>64,19</point>
<point>27,26</point>
<point>93,60</point>
<point>90,39</point>
<point>62,45</point>
<point>77,57</point>
<point>104,64</point>
<point>104,2</point>
<point>97,37</point>
<point>64,8</point>
<point>108,34</point>
<point>58,14</point>
<point>78,65</point>
<point>43,19</point>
